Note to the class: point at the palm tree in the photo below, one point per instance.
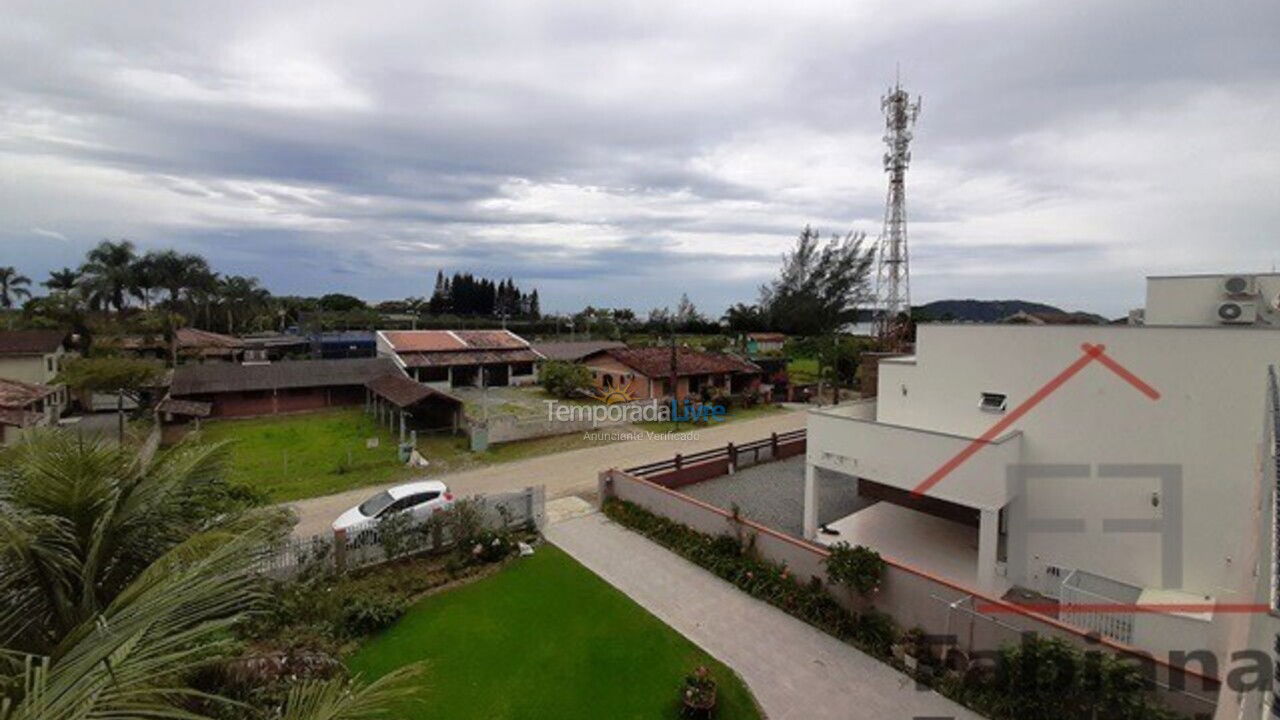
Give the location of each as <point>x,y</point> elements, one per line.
<point>12,287</point>
<point>108,274</point>
<point>62,281</point>
<point>145,279</point>
<point>241,297</point>
<point>120,575</point>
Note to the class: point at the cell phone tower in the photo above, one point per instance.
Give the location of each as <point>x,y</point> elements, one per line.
<point>893,266</point>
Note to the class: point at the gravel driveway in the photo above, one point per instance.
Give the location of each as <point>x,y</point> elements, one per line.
<point>772,494</point>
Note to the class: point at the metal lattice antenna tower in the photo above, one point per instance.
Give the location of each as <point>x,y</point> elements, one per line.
<point>893,268</point>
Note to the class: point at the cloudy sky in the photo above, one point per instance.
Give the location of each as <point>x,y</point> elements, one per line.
<point>622,153</point>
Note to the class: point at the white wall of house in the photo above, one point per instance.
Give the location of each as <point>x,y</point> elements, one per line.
<point>39,369</point>
<point>1207,420</point>
<point>1194,299</point>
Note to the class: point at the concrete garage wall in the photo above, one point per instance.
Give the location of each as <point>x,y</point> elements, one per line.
<point>979,624</point>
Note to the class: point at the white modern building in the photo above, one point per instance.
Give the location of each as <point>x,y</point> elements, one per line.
<point>1089,465</point>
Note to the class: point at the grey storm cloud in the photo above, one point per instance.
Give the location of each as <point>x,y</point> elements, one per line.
<point>625,153</point>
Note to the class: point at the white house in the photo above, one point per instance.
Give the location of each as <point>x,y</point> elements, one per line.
<point>1090,464</point>
<point>35,357</point>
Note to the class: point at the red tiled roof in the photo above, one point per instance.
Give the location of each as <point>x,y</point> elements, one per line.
<point>404,392</point>
<point>468,357</point>
<point>424,341</point>
<point>767,336</point>
<point>656,361</point>
<point>16,394</point>
<point>30,342</point>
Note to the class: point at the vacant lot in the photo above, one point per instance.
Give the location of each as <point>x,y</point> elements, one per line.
<point>291,457</point>
<point>545,638</point>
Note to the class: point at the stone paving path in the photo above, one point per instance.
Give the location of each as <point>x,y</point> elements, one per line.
<point>795,671</point>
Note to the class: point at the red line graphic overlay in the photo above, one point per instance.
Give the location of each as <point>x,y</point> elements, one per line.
<point>1090,353</point>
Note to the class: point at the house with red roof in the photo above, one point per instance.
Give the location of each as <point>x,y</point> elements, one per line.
<point>23,406</point>
<point>461,358</point>
<point>646,373</point>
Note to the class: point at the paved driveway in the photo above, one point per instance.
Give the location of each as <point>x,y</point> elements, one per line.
<point>795,671</point>
<point>564,473</point>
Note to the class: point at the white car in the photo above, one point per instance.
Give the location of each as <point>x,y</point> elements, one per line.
<point>420,499</point>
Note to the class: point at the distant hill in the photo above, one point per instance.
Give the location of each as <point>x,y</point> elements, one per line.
<point>986,311</point>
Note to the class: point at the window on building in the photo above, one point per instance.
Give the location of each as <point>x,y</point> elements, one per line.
<point>522,368</point>
<point>48,363</point>
<point>994,402</point>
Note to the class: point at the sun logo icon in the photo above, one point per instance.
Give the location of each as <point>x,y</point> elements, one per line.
<point>615,395</point>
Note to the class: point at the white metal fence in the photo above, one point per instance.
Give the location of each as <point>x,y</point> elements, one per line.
<point>1099,604</point>
<point>379,541</point>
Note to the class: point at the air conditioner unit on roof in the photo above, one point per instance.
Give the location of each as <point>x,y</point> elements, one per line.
<point>1238,313</point>
<point>1239,285</point>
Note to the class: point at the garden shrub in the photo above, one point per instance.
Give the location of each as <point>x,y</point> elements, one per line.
<point>1040,678</point>
<point>366,615</point>
<point>858,568</point>
<point>564,379</point>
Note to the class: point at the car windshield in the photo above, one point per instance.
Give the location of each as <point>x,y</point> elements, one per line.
<point>376,504</point>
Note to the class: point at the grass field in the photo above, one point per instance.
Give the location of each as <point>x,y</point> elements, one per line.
<point>545,638</point>
<point>803,370</point>
<point>307,455</point>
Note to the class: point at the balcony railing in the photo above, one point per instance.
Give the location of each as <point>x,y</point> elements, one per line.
<point>847,439</point>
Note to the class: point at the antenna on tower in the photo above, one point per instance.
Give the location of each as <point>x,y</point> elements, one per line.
<point>893,267</point>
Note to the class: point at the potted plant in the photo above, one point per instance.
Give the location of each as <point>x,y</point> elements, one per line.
<point>914,648</point>
<point>699,695</point>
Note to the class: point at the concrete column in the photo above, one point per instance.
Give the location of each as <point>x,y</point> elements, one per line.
<point>810,501</point>
<point>402,427</point>
<point>988,545</point>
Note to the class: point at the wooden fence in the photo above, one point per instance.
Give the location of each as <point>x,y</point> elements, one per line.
<point>684,470</point>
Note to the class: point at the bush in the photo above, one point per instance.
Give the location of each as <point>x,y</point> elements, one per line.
<point>362,615</point>
<point>1040,678</point>
<point>491,546</point>
<point>564,379</point>
<point>858,568</point>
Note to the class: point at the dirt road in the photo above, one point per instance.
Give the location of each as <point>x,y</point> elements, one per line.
<point>562,473</point>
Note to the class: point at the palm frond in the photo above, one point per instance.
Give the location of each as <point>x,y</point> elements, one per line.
<point>386,697</point>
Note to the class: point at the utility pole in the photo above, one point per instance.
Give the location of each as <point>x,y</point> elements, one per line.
<point>675,378</point>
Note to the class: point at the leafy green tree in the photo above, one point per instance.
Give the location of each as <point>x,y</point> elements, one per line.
<point>13,287</point>
<point>131,377</point>
<point>338,302</point>
<point>743,318</point>
<point>819,287</point>
<point>564,379</point>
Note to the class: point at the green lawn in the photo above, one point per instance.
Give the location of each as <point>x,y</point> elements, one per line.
<point>803,370</point>
<point>545,638</point>
<point>311,454</point>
